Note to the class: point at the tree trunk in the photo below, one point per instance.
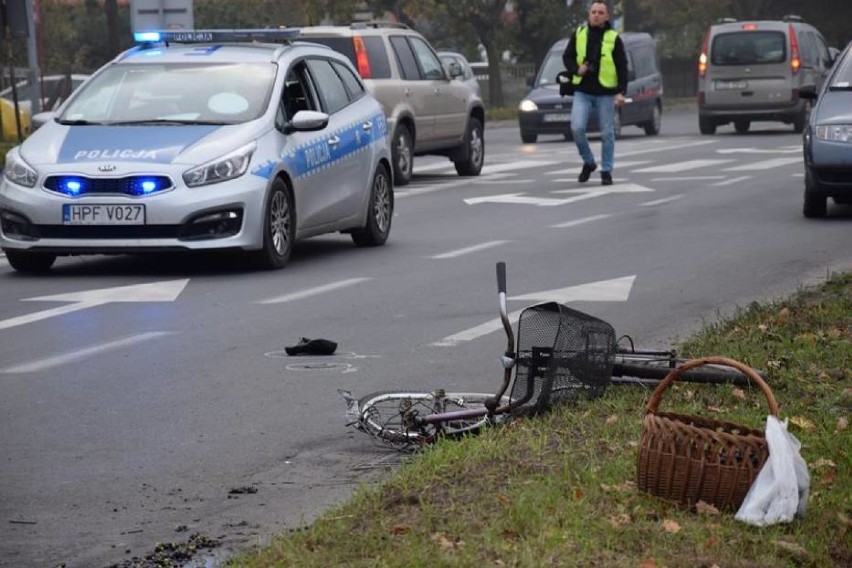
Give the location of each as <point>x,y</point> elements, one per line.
<point>495,80</point>
<point>111,9</point>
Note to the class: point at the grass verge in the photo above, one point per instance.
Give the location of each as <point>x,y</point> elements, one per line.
<point>559,490</point>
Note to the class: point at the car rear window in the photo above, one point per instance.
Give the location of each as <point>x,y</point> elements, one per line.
<point>749,48</point>
<point>379,64</point>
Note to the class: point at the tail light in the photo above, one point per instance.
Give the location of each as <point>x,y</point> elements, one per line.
<point>361,58</point>
<point>795,62</point>
<point>702,59</point>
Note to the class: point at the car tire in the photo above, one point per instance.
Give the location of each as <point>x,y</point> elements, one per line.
<point>706,126</point>
<point>652,128</point>
<point>402,154</point>
<point>379,211</point>
<point>815,204</point>
<point>279,228</point>
<point>528,138</point>
<point>471,165</point>
<point>742,126</point>
<point>30,262</point>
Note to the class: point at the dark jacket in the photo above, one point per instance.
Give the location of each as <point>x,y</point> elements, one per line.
<point>590,84</point>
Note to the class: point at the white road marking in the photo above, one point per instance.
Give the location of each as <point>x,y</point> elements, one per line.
<point>582,221</point>
<point>661,201</point>
<point>766,164</point>
<point>615,290</point>
<point>682,166</point>
<point>580,194</point>
<point>78,354</point>
<point>468,250</point>
<point>664,148</point>
<point>732,181</point>
<point>799,175</point>
<point>618,165</point>
<point>783,150</point>
<point>688,178</point>
<point>166,291</point>
<point>434,167</point>
<point>604,189</point>
<point>331,287</point>
<point>423,189</point>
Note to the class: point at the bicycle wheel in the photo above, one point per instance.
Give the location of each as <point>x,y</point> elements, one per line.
<point>387,416</point>
<point>657,368</point>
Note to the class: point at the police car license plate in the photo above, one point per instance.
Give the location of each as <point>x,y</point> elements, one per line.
<point>557,117</point>
<point>102,214</point>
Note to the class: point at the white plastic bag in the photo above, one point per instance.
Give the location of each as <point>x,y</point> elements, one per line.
<point>780,491</point>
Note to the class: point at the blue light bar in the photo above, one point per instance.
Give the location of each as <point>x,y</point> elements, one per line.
<point>271,35</point>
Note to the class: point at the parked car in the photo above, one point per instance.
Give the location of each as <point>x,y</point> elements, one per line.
<point>202,140</point>
<point>467,76</point>
<point>544,111</point>
<point>828,139</point>
<point>754,71</point>
<point>428,111</point>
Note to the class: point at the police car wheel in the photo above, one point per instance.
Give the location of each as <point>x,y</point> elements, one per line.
<point>34,262</point>
<point>403,156</point>
<point>379,213</point>
<point>472,164</point>
<point>278,228</point>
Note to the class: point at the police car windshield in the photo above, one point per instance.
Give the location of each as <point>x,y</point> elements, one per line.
<point>551,68</point>
<point>174,93</point>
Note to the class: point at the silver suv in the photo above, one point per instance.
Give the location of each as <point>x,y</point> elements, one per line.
<point>428,109</point>
<point>753,70</point>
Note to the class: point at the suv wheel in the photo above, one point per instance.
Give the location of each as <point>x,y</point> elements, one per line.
<point>402,155</point>
<point>652,128</point>
<point>815,204</point>
<point>475,151</point>
<point>742,126</point>
<point>706,126</point>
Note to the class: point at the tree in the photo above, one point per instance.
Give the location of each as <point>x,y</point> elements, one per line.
<point>541,23</point>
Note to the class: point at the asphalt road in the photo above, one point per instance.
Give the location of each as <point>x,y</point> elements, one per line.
<point>143,399</point>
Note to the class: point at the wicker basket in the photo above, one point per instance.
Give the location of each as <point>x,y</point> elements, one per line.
<point>686,459</point>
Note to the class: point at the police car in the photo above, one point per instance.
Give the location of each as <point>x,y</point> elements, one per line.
<point>202,140</point>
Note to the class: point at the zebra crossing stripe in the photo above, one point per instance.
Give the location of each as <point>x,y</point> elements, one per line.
<point>765,164</point>
<point>682,166</point>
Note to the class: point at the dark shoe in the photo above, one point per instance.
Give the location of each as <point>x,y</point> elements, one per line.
<point>587,171</point>
<point>606,178</point>
<point>312,347</point>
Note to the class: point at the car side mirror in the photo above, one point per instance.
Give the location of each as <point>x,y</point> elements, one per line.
<point>808,92</point>
<point>833,53</point>
<point>41,118</point>
<point>455,69</point>
<point>306,121</point>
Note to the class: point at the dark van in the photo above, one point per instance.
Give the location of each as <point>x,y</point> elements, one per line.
<point>544,111</point>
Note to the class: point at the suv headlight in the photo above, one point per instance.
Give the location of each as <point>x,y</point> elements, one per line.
<point>227,167</point>
<point>527,106</point>
<point>18,171</point>
<point>834,132</point>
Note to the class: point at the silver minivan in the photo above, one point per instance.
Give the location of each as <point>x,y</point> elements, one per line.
<point>752,71</point>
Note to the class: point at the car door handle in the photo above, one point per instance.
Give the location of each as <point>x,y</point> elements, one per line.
<point>367,126</point>
<point>408,92</point>
<point>437,90</point>
<point>334,141</point>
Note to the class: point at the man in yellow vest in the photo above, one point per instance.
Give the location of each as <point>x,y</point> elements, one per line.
<point>596,61</point>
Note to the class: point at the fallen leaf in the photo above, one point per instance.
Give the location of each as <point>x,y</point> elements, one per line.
<point>711,542</point>
<point>620,520</point>
<point>842,424</point>
<point>612,419</point>
<point>648,563</point>
<point>503,498</point>
<point>784,315</point>
<point>802,423</point>
<point>445,543</point>
<point>763,327</point>
<point>792,548</point>
<point>578,494</point>
<point>713,408</point>
<point>401,529</point>
<point>703,508</point>
<point>511,535</point>
<point>823,462</point>
<point>671,526</point>
<point>739,393</point>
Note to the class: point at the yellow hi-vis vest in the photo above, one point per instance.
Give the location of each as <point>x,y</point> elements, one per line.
<point>607,75</point>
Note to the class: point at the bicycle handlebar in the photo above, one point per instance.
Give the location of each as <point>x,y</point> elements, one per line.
<point>509,356</point>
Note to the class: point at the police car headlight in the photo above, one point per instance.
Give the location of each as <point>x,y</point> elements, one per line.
<point>18,171</point>
<point>527,106</point>
<point>834,132</point>
<point>227,167</point>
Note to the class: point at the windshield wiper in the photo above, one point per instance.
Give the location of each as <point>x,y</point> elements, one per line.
<point>166,121</point>
<point>79,122</point>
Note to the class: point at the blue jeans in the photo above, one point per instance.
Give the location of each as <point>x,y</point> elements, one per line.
<point>582,106</point>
